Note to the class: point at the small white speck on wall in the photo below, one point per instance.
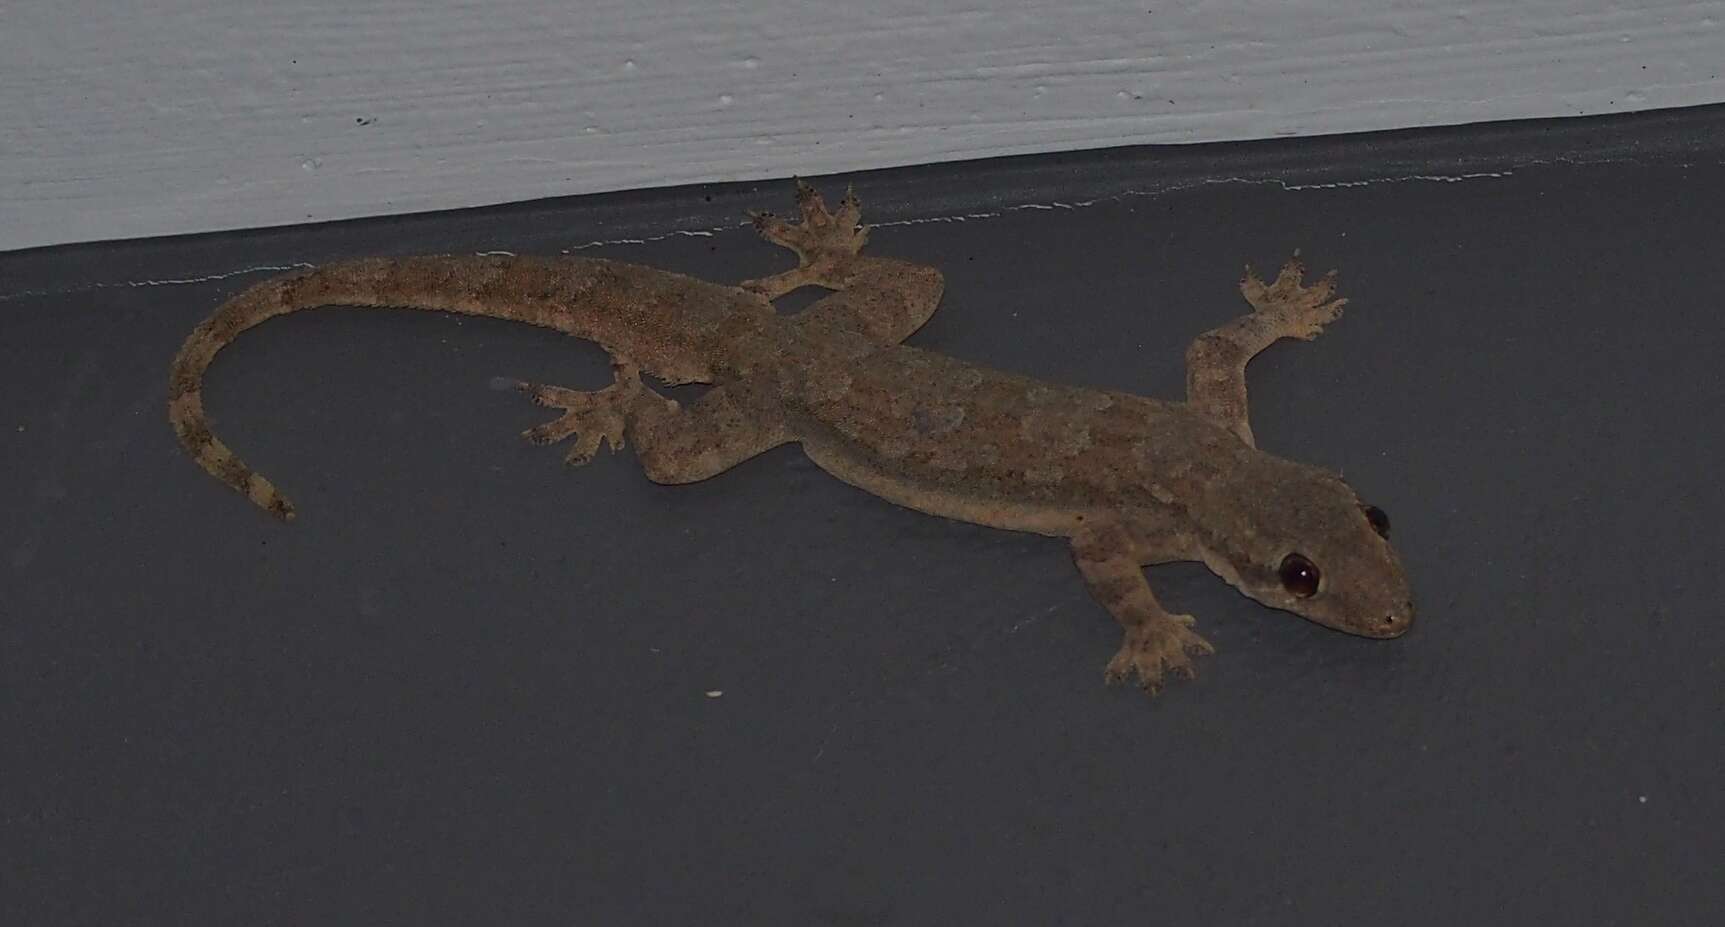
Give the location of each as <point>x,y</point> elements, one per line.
<point>715,693</point>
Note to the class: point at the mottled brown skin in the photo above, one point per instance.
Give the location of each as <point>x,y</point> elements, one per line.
<point>1131,481</point>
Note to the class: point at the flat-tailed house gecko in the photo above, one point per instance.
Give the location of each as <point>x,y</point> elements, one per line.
<point>1130,481</point>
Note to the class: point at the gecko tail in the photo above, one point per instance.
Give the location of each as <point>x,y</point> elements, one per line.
<point>427,283</point>
<point>225,465</point>
<point>370,282</point>
<point>185,389</point>
<point>550,293</point>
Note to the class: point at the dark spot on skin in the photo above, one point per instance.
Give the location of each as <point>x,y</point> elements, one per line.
<point>1299,576</point>
<point>937,420</point>
<point>497,286</point>
<point>181,383</point>
<point>1380,521</point>
<point>1115,588</point>
<point>233,472</point>
<point>226,326</point>
<point>287,289</point>
<point>195,434</point>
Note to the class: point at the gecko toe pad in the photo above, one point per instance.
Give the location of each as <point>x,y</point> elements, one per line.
<point>1154,649</point>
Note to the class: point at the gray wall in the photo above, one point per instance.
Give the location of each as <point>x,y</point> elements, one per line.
<point>126,119</point>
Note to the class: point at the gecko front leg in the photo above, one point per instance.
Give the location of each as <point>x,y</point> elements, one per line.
<point>1216,360</point>
<point>674,444</point>
<point>1157,641</point>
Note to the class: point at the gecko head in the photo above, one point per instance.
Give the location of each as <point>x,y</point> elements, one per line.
<point>1298,538</point>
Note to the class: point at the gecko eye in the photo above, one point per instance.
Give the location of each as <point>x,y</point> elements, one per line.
<point>1380,521</point>
<point>1299,576</point>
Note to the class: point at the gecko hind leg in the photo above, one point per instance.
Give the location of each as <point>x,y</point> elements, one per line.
<point>885,299</point>
<point>674,444</point>
<point>825,243</point>
<point>1285,308</point>
<point>594,416</point>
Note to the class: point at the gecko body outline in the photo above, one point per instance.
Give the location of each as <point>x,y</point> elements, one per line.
<point>1130,481</point>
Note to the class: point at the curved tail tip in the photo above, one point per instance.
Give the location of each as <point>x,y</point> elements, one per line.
<point>263,494</point>
<point>280,508</point>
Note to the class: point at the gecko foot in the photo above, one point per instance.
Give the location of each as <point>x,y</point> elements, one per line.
<point>824,241</point>
<point>1299,311</point>
<point>590,416</point>
<point>1153,648</point>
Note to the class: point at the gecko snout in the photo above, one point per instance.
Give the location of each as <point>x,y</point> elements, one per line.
<point>1397,622</point>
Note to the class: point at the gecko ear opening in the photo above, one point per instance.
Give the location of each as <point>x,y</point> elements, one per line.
<point>1380,521</point>
<point>1299,576</point>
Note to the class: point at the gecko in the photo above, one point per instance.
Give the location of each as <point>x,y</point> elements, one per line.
<point>1127,481</point>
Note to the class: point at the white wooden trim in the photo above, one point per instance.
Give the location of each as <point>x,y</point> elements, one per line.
<point>125,119</point>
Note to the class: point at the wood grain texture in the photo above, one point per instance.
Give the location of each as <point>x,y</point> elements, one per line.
<point>125,120</point>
